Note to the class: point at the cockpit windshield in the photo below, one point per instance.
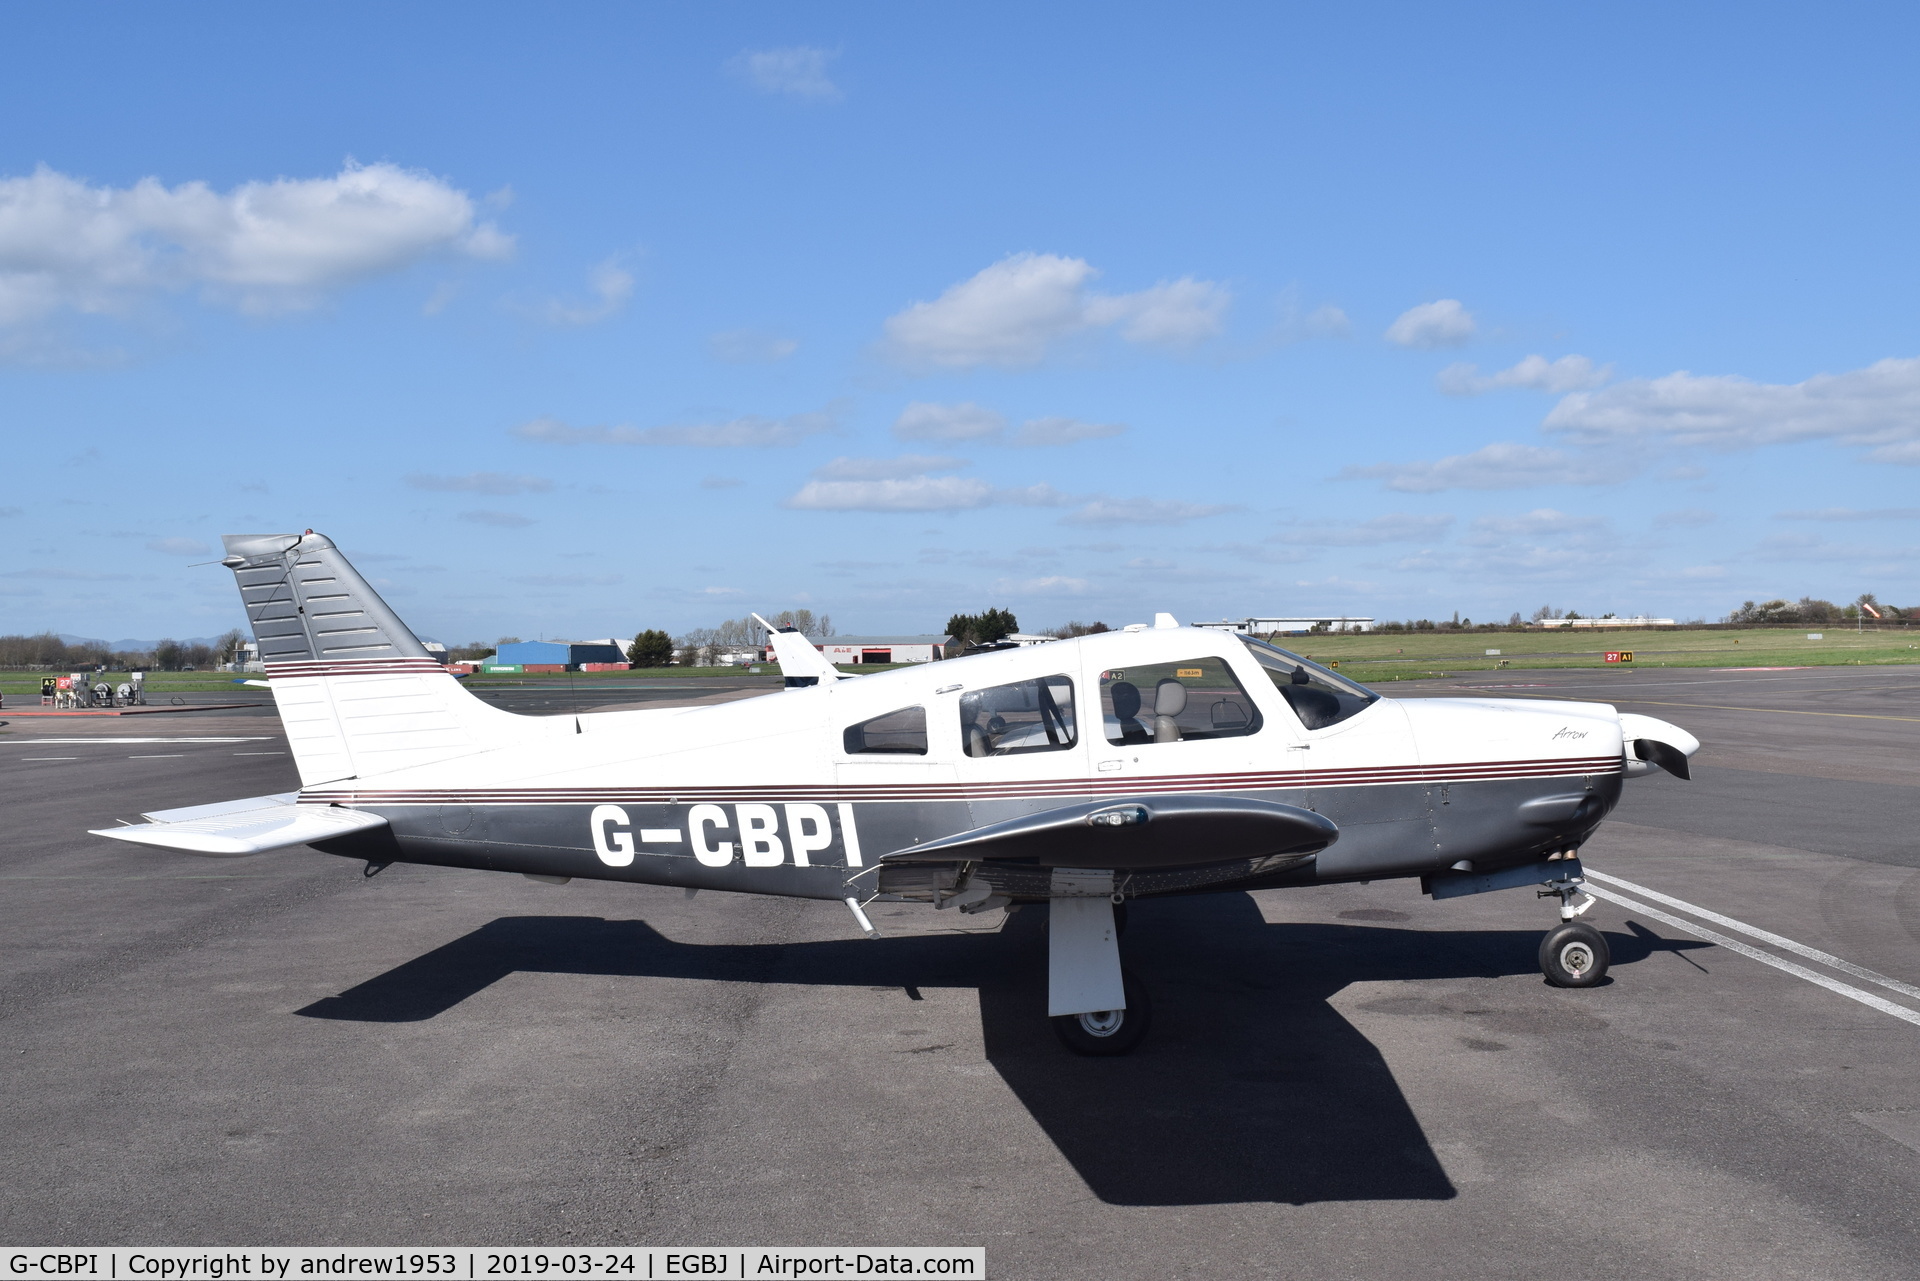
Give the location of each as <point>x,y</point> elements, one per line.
<point>1317,696</point>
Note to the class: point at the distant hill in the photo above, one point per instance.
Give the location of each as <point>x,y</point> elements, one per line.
<point>133,646</point>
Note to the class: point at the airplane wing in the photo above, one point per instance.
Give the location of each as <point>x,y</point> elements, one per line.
<point>796,654</point>
<point>250,826</point>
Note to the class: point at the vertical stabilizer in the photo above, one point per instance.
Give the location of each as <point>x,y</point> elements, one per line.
<point>799,661</point>
<point>357,691</point>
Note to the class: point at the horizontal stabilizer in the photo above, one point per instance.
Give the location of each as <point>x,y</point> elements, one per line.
<point>251,826</point>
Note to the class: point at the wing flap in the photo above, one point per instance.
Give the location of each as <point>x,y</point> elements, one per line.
<point>255,825</point>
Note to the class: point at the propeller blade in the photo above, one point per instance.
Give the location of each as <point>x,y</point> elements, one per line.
<point>1670,759</point>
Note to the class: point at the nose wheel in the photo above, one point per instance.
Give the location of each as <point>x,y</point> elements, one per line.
<point>1574,955</point>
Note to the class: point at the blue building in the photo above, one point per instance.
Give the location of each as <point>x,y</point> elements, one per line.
<point>568,654</point>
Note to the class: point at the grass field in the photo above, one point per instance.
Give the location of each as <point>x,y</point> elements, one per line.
<point>1370,658</point>
<point>1375,657</point>
<point>13,683</point>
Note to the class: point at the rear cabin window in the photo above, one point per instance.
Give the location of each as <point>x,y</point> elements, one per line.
<point>1026,716</point>
<point>1317,696</point>
<point>1175,702</point>
<point>897,733</point>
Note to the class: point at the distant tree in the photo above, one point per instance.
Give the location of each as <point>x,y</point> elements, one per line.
<point>229,645</point>
<point>1515,621</point>
<point>983,628</point>
<point>801,620</point>
<point>651,649</point>
<point>167,655</point>
<point>1076,628</point>
<point>508,640</point>
<point>1772,611</point>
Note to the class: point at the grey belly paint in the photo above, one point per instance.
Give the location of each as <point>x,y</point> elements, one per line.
<point>1388,830</point>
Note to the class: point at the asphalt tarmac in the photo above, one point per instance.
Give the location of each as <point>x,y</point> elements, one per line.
<point>1352,1081</point>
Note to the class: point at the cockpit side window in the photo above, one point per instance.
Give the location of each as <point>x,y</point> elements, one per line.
<point>1175,702</point>
<point>1317,696</point>
<point>901,732</point>
<point>1026,716</point>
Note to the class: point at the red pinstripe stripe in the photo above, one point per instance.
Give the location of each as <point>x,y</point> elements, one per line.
<point>1040,789</point>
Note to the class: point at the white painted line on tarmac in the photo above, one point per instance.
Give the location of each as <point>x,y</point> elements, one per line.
<point>49,758</point>
<point>1811,953</point>
<point>69,742</point>
<point>1765,958</point>
<point>163,756</point>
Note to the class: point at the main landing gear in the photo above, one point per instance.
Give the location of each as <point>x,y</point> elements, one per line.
<point>1097,1008</point>
<point>1103,1033</point>
<point>1573,954</point>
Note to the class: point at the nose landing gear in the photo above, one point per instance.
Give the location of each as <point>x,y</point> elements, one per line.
<point>1573,954</point>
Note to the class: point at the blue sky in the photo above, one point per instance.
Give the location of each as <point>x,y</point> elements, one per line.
<point>577,320</point>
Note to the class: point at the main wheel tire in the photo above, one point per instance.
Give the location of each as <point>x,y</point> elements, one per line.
<point>1109,1032</point>
<point>1574,955</point>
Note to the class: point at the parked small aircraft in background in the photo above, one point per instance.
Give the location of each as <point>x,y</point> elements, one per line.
<point>1081,774</point>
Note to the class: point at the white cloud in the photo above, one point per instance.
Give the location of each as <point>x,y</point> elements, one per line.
<point>798,72</point>
<point>481,482</point>
<point>1542,522</point>
<point>1685,516</point>
<point>1012,313</point>
<point>1849,513</point>
<point>502,520</point>
<point>1569,373</point>
<point>1325,321</point>
<point>1367,533</point>
<point>1444,323</point>
<point>1812,547</point>
<point>886,468</point>
<point>612,287</point>
<point>1177,313</point>
<point>1543,544</point>
<point>721,591</point>
<point>1062,431</point>
<point>751,431</point>
<point>1497,466</point>
<point>263,246</point>
<point>1052,585</point>
<point>569,580</point>
<point>1877,406</point>
<point>923,420</point>
<point>919,494</point>
<point>750,347</point>
<point>1142,511</point>
<point>179,546</point>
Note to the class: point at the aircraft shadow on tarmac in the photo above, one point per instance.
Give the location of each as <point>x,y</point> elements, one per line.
<point>1252,1086</point>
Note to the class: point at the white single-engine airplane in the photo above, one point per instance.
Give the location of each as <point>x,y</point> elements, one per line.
<point>1082,773</point>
